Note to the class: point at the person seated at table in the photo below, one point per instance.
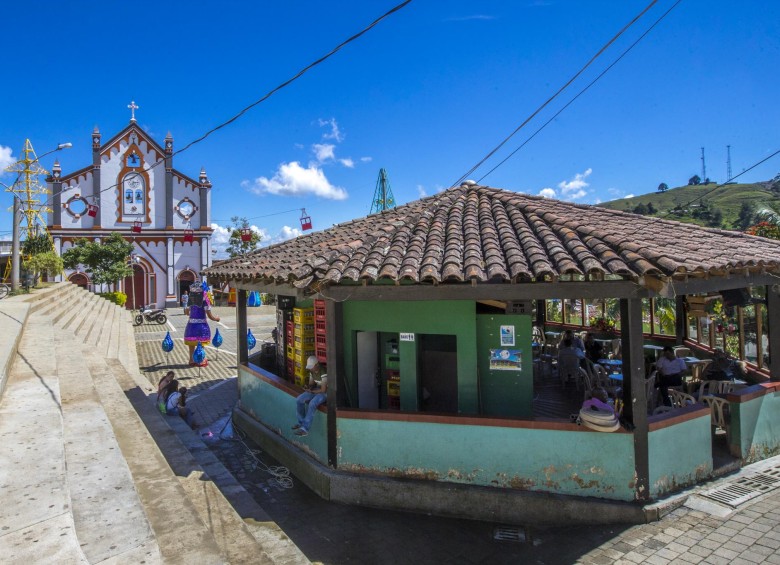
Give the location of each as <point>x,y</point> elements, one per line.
<point>568,349</point>
<point>593,349</point>
<point>722,368</point>
<point>576,340</point>
<point>670,372</point>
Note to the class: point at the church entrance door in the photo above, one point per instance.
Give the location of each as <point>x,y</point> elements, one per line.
<point>135,288</point>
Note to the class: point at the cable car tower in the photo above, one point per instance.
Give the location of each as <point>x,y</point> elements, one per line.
<point>383,195</point>
<point>26,188</point>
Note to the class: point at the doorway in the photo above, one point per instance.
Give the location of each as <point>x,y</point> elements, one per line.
<point>438,373</point>
<point>186,278</point>
<point>367,370</point>
<point>135,288</point>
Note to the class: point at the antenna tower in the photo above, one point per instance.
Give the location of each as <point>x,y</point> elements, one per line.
<point>703,167</point>
<point>728,162</point>
<point>383,195</point>
<point>27,188</point>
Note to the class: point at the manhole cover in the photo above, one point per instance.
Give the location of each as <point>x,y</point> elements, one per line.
<point>508,533</point>
<point>744,489</point>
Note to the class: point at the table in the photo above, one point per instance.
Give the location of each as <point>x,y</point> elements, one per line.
<point>655,348</point>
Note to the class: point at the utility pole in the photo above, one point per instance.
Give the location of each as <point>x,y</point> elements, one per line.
<point>728,163</point>
<point>703,167</point>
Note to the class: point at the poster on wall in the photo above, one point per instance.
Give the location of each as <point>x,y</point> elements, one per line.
<point>507,336</point>
<point>506,360</point>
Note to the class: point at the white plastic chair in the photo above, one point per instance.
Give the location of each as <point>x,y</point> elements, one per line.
<point>708,388</point>
<point>718,409</point>
<point>680,399</point>
<point>651,392</point>
<point>681,351</point>
<point>568,368</point>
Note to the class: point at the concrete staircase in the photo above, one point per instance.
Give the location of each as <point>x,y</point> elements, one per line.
<point>90,472</point>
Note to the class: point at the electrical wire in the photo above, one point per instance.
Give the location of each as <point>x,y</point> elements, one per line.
<point>267,95</point>
<point>554,96</point>
<point>580,93</point>
<point>280,475</point>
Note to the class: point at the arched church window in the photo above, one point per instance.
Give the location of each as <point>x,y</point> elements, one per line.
<point>133,195</point>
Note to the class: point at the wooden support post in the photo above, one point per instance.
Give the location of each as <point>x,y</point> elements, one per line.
<point>680,319</point>
<point>773,321</point>
<point>634,396</point>
<point>334,313</point>
<point>243,350</point>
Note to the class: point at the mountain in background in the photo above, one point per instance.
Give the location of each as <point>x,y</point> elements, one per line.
<point>729,206</point>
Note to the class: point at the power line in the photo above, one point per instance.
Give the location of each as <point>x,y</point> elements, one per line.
<point>554,96</point>
<point>581,92</point>
<point>271,92</point>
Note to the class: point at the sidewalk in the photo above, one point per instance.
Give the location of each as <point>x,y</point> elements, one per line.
<point>692,529</point>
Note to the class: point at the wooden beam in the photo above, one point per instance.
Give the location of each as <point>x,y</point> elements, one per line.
<point>773,320</point>
<point>241,327</point>
<point>674,288</point>
<point>503,292</point>
<point>634,396</point>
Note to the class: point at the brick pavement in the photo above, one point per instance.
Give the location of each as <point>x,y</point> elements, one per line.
<point>333,533</point>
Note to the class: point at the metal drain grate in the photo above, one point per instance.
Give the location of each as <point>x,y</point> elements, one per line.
<point>508,533</point>
<point>746,488</point>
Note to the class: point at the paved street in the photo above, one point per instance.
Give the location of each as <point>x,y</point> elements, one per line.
<point>706,532</point>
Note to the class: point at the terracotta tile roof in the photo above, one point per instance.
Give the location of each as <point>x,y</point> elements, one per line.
<point>478,233</point>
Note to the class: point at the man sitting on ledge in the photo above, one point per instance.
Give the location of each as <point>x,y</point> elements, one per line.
<point>314,394</point>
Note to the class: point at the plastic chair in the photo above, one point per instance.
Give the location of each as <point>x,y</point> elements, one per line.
<point>708,388</point>
<point>584,380</point>
<point>682,351</point>
<point>616,353</point>
<point>680,399</point>
<point>568,368</point>
<point>718,410</point>
<point>651,393</point>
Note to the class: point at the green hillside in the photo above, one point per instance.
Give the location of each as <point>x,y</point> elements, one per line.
<point>707,205</point>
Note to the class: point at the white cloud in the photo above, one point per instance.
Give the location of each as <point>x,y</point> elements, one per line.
<point>287,233</point>
<point>348,163</point>
<point>291,179</point>
<point>335,134</point>
<point>628,196</point>
<point>576,184</point>
<point>575,195</point>
<point>421,191</point>
<point>6,158</point>
<point>366,159</point>
<point>220,239</point>
<point>548,193</point>
<point>324,151</point>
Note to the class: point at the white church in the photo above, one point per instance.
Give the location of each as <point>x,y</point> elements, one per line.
<point>132,188</point>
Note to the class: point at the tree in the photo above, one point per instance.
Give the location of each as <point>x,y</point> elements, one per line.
<point>663,187</point>
<point>694,180</point>
<point>640,208</point>
<point>48,262</point>
<point>37,243</point>
<point>237,246</point>
<point>775,186</point>
<point>651,209</point>
<point>106,262</point>
<point>716,218</point>
<point>746,218</point>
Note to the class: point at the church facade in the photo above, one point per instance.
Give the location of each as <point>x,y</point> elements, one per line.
<point>132,188</point>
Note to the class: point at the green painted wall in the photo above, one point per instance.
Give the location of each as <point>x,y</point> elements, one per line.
<point>505,393</point>
<point>580,462</point>
<point>276,410</point>
<point>755,427</point>
<point>445,317</point>
<point>680,455</point>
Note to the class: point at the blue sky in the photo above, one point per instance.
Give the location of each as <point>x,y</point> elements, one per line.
<point>426,94</point>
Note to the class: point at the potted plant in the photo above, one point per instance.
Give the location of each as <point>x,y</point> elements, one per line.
<point>601,327</point>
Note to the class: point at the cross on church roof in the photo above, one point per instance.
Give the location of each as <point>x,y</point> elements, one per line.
<point>133,108</point>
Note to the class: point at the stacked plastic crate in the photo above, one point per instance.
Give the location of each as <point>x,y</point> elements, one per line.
<point>302,343</point>
<point>320,328</point>
<point>284,305</point>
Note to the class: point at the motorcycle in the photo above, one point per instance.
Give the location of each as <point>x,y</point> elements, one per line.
<point>150,315</point>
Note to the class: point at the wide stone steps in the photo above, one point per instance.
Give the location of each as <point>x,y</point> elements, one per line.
<point>85,454</point>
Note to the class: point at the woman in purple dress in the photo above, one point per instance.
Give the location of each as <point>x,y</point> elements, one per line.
<point>197,330</point>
